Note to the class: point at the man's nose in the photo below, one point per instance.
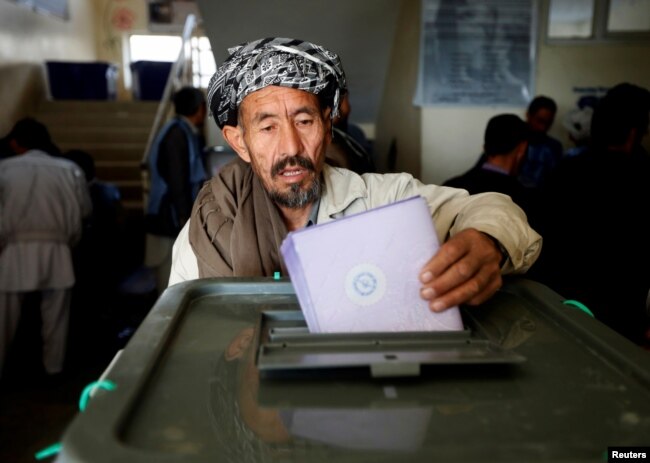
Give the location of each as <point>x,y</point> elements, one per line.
<point>290,140</point>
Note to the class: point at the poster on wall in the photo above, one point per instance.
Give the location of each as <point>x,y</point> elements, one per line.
<point>170,15</point>
<point>476,53</point>
<point>58,8</point>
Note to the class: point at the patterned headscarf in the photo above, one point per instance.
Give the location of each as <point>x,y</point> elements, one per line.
<point>274,61</point>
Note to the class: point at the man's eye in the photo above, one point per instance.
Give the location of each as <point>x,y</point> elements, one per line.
<point>306,122</point>
<point>267,128</point>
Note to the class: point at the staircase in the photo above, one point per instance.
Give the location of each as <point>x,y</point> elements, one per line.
<point>115,134</point>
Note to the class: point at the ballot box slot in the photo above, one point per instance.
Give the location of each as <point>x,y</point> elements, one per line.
<point>302,334</point>
<point>285,345</point>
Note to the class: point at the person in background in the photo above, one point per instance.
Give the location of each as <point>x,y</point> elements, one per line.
<point>349,148</point>
<point>177,171</point>
<point>544,151</point>
<point>43,203</point>
<point>505,145</point>
<point>103,233</point>
<point>577,122</point>
<point>279,121</point>
<point>46,144</point>
<point>5,149</point>
<point>596,247</point>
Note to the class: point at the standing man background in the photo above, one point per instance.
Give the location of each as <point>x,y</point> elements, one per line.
<point>544,152</point>
<point>504,148</point>
<point>177,172</point>
<point>43,201</point>
<point>350,148</point>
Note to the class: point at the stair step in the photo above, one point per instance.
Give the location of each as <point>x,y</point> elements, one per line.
<point>130,190</point>
<point>73,119</point>
<point>118,171</point>
<point>117,152</point>
<point>95,135</point>
<point>105,106</point>
<point>114,133</point>
<point>136,207</point>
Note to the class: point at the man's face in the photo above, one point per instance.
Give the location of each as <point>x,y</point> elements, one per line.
<point>283,133</point>
<point>541,121</point>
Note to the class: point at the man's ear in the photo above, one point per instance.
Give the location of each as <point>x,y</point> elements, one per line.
<point>522,148</point>
<point>520,154</point>
<point>235,138</point>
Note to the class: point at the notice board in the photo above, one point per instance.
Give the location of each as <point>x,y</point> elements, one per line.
<point>477,52</point>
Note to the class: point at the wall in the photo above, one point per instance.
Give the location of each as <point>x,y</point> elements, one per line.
<point>452,137</point>
<point>432,143</point>
<point>562,67</point>
<point>95,31</point>
<point>399,121</point>
<point>26,40</point>
<point>361,32</point>
<point>114,20</point>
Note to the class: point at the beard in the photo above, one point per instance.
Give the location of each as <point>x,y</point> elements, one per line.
<point>297,197</point>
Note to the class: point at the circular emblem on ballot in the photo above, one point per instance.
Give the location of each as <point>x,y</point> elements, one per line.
<point>365,284</point>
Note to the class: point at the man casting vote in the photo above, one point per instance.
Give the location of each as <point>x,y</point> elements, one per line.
<point>274,100</point>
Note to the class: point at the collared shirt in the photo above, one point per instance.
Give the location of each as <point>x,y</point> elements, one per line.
<point>313,214</point>
<point>493,168</point>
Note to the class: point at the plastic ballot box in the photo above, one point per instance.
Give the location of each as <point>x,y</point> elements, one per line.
<point>225,370</point>
<point>149,79</point>
<point>69,80</point>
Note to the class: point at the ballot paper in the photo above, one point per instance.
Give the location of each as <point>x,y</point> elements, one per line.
<point>360,273</point>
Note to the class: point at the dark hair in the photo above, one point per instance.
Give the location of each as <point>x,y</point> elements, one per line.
<point>188,100</point>
<point>503,133</point>
<point>31,134</point>
<point>542,102</point>
<point>623,108</point>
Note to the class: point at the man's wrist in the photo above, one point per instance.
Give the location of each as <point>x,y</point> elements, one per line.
<point>500,248</point>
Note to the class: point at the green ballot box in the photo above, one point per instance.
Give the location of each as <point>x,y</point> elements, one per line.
<point>224,370</point>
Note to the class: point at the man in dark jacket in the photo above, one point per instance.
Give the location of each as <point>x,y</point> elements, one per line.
<point>177,171</point>
<point>505,144</point>
<point>596,247</point>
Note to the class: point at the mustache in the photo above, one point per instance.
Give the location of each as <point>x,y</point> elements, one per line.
<point>292,161</point>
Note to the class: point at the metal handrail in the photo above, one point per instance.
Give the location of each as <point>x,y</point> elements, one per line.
<point>179,75</point>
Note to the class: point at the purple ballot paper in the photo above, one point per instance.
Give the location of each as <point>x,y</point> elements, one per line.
<point>360,273</point>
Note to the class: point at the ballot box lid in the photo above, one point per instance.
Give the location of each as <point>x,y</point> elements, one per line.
<point>188,389</point>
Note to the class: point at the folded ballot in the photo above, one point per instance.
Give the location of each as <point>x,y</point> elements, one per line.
<point>360,273</point>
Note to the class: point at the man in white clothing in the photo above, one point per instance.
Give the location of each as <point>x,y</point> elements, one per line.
<point>43,201</point>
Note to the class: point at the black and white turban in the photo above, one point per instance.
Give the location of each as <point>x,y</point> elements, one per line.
<point>274,61</point>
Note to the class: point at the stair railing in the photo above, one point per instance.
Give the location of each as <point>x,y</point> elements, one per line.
<point>179,76</point>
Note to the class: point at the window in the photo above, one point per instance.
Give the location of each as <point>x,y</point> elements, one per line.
<point>598,20</point>
<point>203,64</point>
<point>154,47</point>
<point>628,16</point>
<point>167,48</point>
<point>571,19</point>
